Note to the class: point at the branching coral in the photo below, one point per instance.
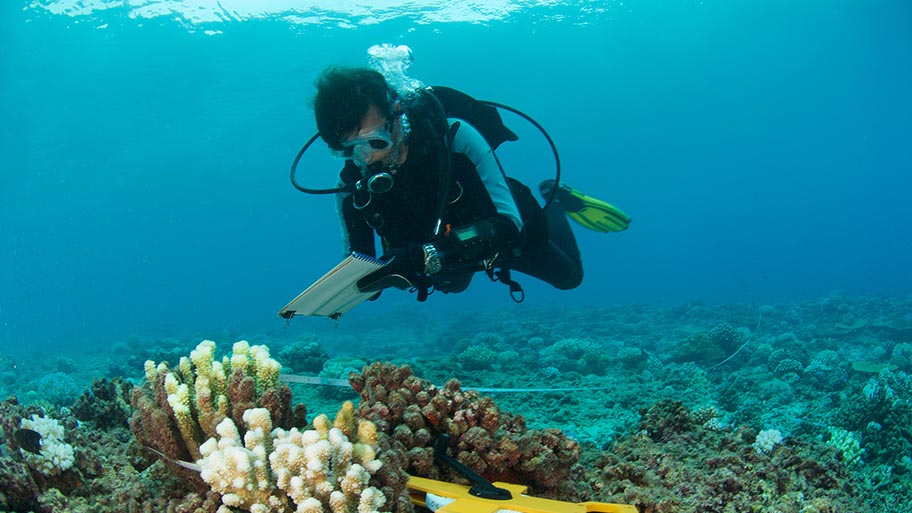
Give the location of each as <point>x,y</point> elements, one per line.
<point>496,445</point>
<point>240,470</point>
<point>846,443</point>
<point>195,412</point>
<point>323,469</point>
<point>177,409</point>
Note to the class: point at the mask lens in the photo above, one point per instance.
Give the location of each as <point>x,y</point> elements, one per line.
<point>363,148</point>
<point>379,144</point>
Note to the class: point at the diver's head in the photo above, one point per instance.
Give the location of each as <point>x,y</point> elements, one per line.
<point>372,141</point>
<point>349,102</point>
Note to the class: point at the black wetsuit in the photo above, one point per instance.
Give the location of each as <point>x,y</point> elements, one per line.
<point>515,232</point>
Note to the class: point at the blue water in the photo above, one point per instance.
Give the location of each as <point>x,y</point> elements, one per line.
<point>762,148</point>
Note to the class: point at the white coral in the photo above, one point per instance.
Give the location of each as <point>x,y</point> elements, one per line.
<point>240,472</point>
<point>321,472</point>
<point>316,468</point>
<point>767,440</point>
<point>55,455</point>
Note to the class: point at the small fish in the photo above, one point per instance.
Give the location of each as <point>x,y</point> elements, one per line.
<point>181,463</point>
<point>29,440</point>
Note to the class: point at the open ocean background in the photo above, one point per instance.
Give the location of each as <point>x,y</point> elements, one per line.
<point>763,149</point>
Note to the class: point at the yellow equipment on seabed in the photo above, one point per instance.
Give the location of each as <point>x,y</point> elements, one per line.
<point>486,497</point>
<point>465,502</point>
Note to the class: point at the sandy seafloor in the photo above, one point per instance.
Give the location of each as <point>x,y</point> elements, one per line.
<point>667,426</point>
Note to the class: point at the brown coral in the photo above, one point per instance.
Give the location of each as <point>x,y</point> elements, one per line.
<point>107,404</point>
<point>155,424</point>
<point>413,412</point>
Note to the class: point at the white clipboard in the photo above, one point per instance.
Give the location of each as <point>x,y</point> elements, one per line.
<point>336,292</point>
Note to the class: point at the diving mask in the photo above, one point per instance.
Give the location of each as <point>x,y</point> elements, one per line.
<point>362,149</point>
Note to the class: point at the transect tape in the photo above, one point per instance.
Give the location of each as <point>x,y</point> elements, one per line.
<point>331,382</point>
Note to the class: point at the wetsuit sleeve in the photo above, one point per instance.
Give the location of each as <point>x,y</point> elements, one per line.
<point>490,235</point>
<point>472,144</point>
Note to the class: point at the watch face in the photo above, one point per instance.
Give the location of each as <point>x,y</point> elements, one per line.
<point>432,264</point>
<point>467,233</point>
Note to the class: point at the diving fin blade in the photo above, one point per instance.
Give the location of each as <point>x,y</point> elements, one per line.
<point>603,219</point>
<point>589,212</point>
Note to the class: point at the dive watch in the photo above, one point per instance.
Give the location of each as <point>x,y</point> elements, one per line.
<point>432,262</point>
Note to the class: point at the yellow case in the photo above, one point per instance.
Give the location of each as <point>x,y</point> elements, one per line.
<point>463,502</point>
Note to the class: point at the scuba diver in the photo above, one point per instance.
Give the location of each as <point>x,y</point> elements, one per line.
<point>420,172</point>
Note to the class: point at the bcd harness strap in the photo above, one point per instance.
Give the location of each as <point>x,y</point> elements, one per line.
<point>502,274</point>
<point>491,266</point>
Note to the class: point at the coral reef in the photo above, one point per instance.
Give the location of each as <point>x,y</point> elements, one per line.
<point>54,455</point>
<point>19,491</point>
<point>767,440</point>
<point>54,389</point>
<point>263,464</point>
<point>102,477</point>
<point>477,358</point>
<point>827,370</point>
<point>106,404</point>
<point>176,410</point>
<point>677,464</point>
<point>847,444</point>
<point>323,469</point>
<point>902,356</point>
<point>573,354</point>
<point>304,355</point>
<point>699,347</point>
<point>653,425</point>
<point>880,412</point>
<point>339,368</point>
<point>498,446</point>
<point>725,336</point>
<point>26,474</point>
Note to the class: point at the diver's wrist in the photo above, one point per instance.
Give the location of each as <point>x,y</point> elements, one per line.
<point>432,259</point>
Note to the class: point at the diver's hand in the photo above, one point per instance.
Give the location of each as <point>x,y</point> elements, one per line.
<point>400,271</point>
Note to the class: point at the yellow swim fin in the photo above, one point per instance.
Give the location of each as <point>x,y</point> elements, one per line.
<point>589,212</point>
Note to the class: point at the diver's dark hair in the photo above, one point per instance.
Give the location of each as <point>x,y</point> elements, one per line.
<point>343,97</point>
